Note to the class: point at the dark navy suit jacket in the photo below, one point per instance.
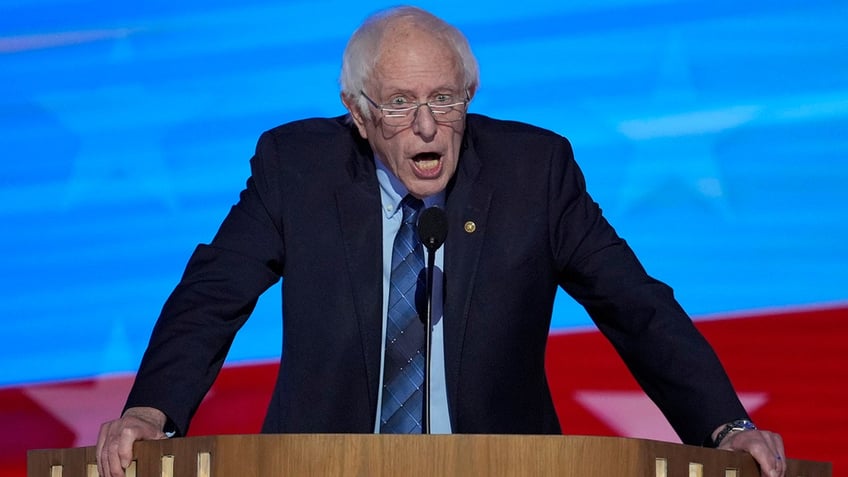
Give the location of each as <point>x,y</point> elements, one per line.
<point>310,213</point>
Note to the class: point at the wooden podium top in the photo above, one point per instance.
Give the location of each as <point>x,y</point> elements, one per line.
<point>376,455</point>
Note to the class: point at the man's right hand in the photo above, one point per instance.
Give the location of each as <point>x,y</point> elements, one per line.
<point>115,442</point>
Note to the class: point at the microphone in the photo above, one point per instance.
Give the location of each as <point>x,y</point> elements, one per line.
<point>432,231</point>
<point>432,228</point>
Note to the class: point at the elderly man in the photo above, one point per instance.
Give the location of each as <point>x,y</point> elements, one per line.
<point>330,207</point>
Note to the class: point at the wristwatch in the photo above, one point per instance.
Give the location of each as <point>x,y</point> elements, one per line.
<point>737,425</point>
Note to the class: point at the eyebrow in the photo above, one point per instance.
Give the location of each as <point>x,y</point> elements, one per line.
<point>440,90</point>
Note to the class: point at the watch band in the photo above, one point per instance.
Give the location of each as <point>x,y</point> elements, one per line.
<point>737,425</point>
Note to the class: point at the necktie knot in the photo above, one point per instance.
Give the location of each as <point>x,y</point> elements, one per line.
<point>411,208</point>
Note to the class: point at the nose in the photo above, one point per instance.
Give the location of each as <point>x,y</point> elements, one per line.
<point>424,123</point>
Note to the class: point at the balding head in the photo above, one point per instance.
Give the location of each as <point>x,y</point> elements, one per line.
<point>386,31</point>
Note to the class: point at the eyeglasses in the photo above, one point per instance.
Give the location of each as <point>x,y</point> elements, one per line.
<point>401,111</point>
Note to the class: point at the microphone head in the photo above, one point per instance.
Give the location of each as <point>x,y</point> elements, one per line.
<point>432,227</point>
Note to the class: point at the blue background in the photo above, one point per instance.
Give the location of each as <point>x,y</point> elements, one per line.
<point>713,133</point>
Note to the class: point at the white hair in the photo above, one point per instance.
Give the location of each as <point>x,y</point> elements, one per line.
<point>361,54</point>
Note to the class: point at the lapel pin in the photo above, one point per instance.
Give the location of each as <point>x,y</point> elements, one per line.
<point>470,227</point>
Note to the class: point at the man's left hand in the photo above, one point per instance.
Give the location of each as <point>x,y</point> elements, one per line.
<point>766,448</point>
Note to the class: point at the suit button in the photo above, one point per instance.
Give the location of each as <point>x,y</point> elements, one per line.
<point>470,227</point>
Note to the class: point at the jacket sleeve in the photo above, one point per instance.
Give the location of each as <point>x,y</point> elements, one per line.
<point>217,292</point>
<point>640,316</point>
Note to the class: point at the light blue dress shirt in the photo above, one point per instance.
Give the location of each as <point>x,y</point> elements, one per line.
<point>392,191</point>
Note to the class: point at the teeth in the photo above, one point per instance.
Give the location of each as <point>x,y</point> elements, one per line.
<point>427,161</point>
<point>427,164</point>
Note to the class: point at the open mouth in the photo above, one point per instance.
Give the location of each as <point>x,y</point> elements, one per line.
<point>427,162</point>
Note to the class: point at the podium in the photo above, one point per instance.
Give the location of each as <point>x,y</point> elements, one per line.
<point>373,455</point>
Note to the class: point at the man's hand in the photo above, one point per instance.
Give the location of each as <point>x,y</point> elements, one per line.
<point>115,442</point>
<point>766,448</point>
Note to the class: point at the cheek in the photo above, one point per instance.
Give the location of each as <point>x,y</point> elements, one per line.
<point>378,144</point>
<point>450,165</point>
<point>390,155</point>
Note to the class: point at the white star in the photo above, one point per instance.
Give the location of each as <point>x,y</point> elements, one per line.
<point>84,406</point>
<point>120,129</point>
<point>672,134</point>
<point>633,414</point>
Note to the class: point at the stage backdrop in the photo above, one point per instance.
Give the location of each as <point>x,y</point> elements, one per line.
<point>713,133</point>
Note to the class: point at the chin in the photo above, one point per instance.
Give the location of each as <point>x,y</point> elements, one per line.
<point>426,190</point>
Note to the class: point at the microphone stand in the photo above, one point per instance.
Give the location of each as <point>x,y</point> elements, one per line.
<point>428,323</point>
<point>432,231</point>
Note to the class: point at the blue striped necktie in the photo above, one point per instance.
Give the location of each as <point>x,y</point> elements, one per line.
<point>403,375</point>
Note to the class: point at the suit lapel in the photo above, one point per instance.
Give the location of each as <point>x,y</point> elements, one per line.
<point>359,215</point>
<point>467,209</point>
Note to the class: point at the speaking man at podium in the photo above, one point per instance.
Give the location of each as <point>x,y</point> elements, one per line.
<point>332,207</point>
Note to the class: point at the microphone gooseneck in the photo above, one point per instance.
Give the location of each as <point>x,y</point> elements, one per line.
<point>432,231</point>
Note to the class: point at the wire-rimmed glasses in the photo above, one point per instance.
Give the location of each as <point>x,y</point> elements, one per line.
<point>401,111</point>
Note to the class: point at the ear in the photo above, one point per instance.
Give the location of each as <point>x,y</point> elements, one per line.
<point>350,103</point>
<point>472,89</point>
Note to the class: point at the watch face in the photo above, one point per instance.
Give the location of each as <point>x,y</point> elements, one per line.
<point>743,425</point>
<point>737,425</point>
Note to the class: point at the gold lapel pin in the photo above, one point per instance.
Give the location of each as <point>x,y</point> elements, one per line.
<point>470,227</point>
